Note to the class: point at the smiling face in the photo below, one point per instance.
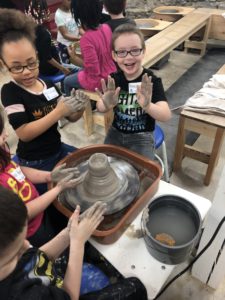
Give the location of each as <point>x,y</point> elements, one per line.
<point>130,65</point>
<point>21,53</point>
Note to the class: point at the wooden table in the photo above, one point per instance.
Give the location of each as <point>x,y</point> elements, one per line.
<point>211,126</point>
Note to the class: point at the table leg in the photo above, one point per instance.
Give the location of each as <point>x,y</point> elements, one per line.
<point>218,141</point>
<point>178,156</point>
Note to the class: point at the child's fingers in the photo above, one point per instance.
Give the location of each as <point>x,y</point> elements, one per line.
<point>104,87</point>
<point>111,83</point>
<point>96,222</point>
<point>117,91</point>
<point>98,92</point>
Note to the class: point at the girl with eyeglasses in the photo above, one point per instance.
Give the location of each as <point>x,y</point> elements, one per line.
<point>32,105</point>
<point>134,93</point>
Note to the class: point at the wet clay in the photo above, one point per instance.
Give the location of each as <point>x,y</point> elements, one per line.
<point>112,181</point>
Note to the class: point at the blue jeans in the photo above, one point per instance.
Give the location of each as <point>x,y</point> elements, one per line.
<point>71,82</point>
<point>142,142</point>
<point>47,164</point>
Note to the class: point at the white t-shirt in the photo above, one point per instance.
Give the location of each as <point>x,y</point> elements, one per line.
<point>66,19</point>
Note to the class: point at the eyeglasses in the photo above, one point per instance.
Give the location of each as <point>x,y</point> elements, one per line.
<point>19,69</point>
<point>132,52</point>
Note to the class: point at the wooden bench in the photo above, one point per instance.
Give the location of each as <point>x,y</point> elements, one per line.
<point>95,117</point>
<point>217,27</point>
<point>166,40</point>
<point>208,125</point>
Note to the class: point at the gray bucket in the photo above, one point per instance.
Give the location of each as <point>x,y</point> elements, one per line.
<point>172,226</point>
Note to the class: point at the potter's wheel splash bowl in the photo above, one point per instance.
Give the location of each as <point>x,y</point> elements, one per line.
<point>172,227</point>
<point>168,11</point>
<point>107,179</point>
<point>149,174</point>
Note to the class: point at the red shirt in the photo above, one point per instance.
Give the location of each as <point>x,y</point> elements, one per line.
<point>12,178</point>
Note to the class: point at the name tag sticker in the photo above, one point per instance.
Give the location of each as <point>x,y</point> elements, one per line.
<point>18,174</point>
<point>50,93</point>
<point>133,87</point>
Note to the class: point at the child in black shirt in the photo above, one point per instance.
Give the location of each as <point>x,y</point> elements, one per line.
<point>135,94</point>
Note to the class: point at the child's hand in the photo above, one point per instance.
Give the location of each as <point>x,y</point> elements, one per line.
<point>144,92</point>
<point>110,93</point>
<point>69,182</point>
<point>81,231</point>
<point>60,172</point>
<point>76,102</point>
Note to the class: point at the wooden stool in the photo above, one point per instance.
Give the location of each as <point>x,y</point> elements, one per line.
<point>208,125</point>
<point>211,126</point>
<point>95,117</point>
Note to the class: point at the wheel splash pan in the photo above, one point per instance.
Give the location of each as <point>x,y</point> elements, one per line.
<point>149,174</point>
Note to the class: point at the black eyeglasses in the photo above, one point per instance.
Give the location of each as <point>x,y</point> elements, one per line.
<point>124,53</point>
<point>19,69</point>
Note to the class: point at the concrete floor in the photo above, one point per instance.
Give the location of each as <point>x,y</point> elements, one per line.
<point>189,178</point>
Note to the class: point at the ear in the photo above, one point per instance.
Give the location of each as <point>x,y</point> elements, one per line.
<point>2,65</point>
<point>114,56</point>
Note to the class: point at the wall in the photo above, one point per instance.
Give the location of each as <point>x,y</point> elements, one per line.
<point>143,8</point>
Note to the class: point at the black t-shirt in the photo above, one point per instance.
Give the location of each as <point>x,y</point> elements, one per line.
<point>23,107</point>
<point>34,278</point>
<point>129,117</point>
<point>113,23</point>
<point>46,50</point>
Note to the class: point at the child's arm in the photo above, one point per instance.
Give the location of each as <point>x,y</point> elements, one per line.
<point>79,234</point>
<point>40,203</point>
<point>110,95</point>
<point>159,111</point>
<point>35,175</point>
<point>67,35</point>
<point>59,243</point>
<point>65,107</point>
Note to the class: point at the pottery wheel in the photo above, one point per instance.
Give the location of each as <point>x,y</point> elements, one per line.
<point>119,195</point>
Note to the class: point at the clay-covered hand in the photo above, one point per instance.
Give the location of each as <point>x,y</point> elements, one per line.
<point>144,92</point>
<point>110,93</point>
<point>96,206</point>
<point>60,172</point>
<point>69,182</point>
<point>77,101</point>
<point>81,229</point>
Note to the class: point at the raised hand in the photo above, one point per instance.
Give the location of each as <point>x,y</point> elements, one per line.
<point>144,92</point>
<point>82,230</point>
<point>60,172</point>
<point>110,93</point>
<point>74,103</point>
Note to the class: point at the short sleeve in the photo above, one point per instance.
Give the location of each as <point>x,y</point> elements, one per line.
<point>14,106</point>
<point>59,19</point>
<point>158,93</point>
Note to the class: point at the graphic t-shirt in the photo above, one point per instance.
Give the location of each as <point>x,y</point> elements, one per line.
<point>34,278</point>
<point>23,106</point>
<point>66,19</point>
<point>129,117</point>
<point>12,178</point>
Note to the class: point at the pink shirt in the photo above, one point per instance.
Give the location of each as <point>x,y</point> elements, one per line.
<point>24,189</point>
<point>97,57</point>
